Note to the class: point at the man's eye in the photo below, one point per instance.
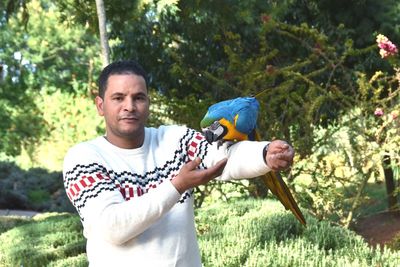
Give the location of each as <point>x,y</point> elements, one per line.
<point>141,98</point>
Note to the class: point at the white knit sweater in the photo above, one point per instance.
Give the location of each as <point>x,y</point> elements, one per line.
<point>131,213</point>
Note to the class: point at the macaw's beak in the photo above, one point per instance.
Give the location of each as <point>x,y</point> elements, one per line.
<point>215,132</point>
<point>210,136</point>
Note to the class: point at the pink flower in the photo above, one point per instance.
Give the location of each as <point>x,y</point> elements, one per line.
<point>387,48</point>
<point>378,112</point>
<point>265,18</point>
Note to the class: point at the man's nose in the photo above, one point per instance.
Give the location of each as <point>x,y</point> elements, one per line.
<point>130,104</point>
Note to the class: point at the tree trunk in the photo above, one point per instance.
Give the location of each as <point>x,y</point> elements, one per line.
<point>356,202</point>
<point>390,184</point>
<point>105,48</point>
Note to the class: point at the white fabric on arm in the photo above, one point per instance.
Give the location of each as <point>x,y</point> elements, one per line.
<point>118,221</point>
<point>245,160</point>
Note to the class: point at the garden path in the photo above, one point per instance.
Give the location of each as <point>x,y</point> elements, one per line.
<point>24,213</point>
<point>380,228</point>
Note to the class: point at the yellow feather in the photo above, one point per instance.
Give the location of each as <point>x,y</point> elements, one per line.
<point>233,134</point>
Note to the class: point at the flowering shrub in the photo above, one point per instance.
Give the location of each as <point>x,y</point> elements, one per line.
<point>387,48</point>
<point>378,112</point>
<point>353,152</point>
<point>387,85</point>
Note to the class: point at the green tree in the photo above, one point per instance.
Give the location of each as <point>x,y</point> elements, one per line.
<point>44,56</point>
<point>304,54</point>
<point>20,119</point>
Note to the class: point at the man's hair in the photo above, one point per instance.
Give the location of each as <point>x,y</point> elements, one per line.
<point>119,67</point>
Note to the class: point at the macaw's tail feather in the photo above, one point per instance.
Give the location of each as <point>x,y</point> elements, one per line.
<point>278,187</point>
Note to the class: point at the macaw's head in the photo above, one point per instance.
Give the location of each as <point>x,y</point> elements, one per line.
<point>215,131</point>
<point>222,130</point>
<point>211,126</point>
<point>220,123</point>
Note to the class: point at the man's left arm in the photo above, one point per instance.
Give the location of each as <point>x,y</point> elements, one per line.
<point>246,159</point>
<point>249,159</point>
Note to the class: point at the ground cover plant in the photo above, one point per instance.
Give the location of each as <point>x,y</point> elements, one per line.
<point>260,233</point>
<point>238,233</point>
<point>51,239</point>
<point>34,189</point>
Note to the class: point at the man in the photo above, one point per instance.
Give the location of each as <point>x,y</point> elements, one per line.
<point>133,187</point>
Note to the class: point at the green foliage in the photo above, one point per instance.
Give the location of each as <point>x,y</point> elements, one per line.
<point>361,17</point>
<point>21,121</point>
<point>342,163</point>
<point>78,121</point>
<point>223,50</point>
<point>349,153</point>
<point>244,233</point>
<point>259,233</point>
<point>54,239</point>
<point>59,56</point>
<point>35,189</point>
<point>313,61</point>
<point>41,56</point>
<point>374,199</point>
<point>9,222</point>
<point>84,12</point>
<point>395,243</point>
<point>9,7</point>
<point>76,261</point>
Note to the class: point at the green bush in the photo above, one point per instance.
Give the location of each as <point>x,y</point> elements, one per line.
<point>8,222</point>
<point>76,261</point>
<point>48,239</point>
<point>34,189</point>
<point>395,243</point>
<point>250,233</point>
<point>260,233</point>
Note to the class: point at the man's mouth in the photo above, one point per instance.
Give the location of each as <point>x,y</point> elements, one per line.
<point>129,119</point>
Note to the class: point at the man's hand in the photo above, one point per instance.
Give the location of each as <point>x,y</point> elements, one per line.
<point>279,155</point>
<point>189,176</point>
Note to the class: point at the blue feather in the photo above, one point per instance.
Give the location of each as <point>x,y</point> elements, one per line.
<point>246,108</point>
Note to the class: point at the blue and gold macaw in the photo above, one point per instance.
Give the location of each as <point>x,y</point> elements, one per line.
<point>236,120</point>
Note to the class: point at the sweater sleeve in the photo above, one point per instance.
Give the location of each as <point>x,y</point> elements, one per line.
<point>99,202</point>
<point>245,158</point>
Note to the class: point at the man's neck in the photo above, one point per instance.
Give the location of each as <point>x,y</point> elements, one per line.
<point>126,142</point>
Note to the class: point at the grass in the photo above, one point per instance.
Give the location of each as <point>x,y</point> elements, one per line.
<point>250,233</point>
<point>9,222</point>
<point>52,239</point>
<point>261,233</point>
<point>376,200</point>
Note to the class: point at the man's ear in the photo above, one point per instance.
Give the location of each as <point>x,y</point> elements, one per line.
<point>99,105</point>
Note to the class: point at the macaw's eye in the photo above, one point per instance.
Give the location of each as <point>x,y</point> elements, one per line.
<point>214,126</point>
<point>218,129</point>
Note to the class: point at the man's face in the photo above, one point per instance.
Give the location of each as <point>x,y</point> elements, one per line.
<point>125,108</point>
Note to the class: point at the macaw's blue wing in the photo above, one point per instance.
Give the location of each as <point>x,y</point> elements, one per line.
<point>246,110</point>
